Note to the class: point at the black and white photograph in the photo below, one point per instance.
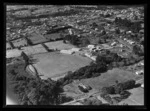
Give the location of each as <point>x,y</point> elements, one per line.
<point>74,55</point>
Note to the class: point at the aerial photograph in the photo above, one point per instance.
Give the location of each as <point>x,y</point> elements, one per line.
<point>74,55</point>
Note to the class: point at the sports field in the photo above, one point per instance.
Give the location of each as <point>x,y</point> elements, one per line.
<point>54,64</point>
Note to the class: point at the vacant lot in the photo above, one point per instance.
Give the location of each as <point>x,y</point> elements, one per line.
<point>58,45</point>
<point>109,78</point>
<point>55,64</point>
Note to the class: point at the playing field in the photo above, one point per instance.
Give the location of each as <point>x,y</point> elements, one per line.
<point>54,64</point>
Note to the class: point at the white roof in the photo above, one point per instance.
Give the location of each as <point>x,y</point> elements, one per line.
<point>75,49</point>
<point>67,51</point>
<point>32,68</point>
<point>142,85</point>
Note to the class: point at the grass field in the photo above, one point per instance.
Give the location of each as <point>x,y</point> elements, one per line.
<point>109,78</point>
<point>13,53</point>
<point>136,98</point>
<point>19,42</point>
<point>34,49</point>
<point>55,64</point>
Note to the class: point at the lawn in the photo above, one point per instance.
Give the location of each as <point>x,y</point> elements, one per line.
<point>54,64</point>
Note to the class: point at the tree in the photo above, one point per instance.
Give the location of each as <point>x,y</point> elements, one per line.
<point>117,31</point>
<point>85,41</point>
<point>124,94</point>
<point>64,41</point>
<point>12,72</point>
<point>118,88</point>
<point>108,90</point>
<point>128,84</point>
<point>33,96</point>
<point>116,82</point>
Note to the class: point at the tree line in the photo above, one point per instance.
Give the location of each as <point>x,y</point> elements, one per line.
<point>103,63</point>
<point>134,26</point>
<point>32,90</point>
